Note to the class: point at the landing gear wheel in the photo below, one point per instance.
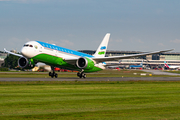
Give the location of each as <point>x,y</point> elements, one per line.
<point>50,73</point>
<point>84,75</point>
<point>56,75</point>
<point>80,75</point>
<point>53,74</point>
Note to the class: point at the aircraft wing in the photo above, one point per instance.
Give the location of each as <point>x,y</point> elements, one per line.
<point>13,53</point>
<point>102,59</point>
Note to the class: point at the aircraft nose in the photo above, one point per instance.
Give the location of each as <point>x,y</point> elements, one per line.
<point>24,51</point>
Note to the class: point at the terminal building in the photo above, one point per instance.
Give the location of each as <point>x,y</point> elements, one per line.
<point>156,60</point>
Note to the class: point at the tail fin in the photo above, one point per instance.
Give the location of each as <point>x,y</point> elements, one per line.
<point>141,63</point>
<point>166,65</point>
<point>101,51</point>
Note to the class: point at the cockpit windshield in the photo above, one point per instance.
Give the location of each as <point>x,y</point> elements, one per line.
<point>27,45</point>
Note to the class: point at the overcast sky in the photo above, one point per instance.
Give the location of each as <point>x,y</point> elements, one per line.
<point>135,25</point>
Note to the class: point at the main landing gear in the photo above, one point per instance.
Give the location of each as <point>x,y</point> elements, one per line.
<point>53,74</point>
<point>81,74</point>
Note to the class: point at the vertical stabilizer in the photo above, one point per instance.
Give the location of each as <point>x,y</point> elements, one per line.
<point>101,51</point>
<point>166,65</point>
<point>141,63</point>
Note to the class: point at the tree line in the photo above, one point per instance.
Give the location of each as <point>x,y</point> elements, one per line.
<point>11,61</point>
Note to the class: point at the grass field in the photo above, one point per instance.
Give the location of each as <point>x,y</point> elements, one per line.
<point>133,100</point>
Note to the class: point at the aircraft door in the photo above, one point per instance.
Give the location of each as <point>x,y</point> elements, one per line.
<point>40,49</point>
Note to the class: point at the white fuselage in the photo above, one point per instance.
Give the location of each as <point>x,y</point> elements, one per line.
<point>33,48</point>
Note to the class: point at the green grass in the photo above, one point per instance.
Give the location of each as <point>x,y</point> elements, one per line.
<point>104,73</point>
<point>131,100</point>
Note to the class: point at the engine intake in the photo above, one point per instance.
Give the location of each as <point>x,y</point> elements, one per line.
<point>25,63</point>
<point>85,63</point>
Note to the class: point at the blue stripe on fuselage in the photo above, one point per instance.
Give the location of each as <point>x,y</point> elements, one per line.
<point>54,47</point>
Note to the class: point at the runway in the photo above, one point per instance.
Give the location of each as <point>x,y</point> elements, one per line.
<point>94,79</point>
<point>155,72</point>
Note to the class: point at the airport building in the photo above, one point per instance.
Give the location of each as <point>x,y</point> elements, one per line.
<point>156,60</point>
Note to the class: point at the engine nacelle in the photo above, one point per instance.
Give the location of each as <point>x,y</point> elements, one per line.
<point>85,63</point>
<point>25,63</point>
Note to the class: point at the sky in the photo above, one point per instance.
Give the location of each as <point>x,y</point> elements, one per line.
<point>135,25</point>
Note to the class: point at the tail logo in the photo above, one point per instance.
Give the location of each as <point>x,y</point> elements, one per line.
<point>166,65</point>
<point>101,53</point>
<point>103,48</point>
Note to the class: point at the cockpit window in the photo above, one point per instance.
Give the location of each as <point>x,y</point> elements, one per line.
<point>27,45</point>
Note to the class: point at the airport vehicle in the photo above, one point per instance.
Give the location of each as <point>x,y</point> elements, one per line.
<point>55,56</point>
<point>136,66</point>
<point>171,66</point>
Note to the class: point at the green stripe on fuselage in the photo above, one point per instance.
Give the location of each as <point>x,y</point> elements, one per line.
<point>59,62</point>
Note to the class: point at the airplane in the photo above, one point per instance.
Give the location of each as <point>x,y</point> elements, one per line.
<point>136,66</point>
<point>170,66</point>
<point>56,56</point>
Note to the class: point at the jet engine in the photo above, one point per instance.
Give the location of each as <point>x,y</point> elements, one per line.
<point>25,63</point>
<point>85,63</point>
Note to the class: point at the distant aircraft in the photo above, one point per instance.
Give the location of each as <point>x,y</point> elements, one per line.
<point>136,66</point>
<point>55,56</point>
<point>170,66</point>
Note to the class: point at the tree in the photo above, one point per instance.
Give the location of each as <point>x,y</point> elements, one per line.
<point>11,61</point>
